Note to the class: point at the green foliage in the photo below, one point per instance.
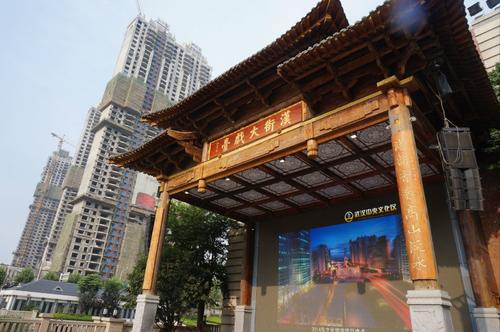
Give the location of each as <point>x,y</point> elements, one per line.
<point>51,276</point>
<point>111,294</point>
<point>74,278</point>
<point>193,258</point>
<point>494,148</point>
<point>135,280</point>
<point>204,236</point>
<point>190,321</point>
<point>29,307</point>
<point>88,287</point>
<point>494,76</point>
<point>3,275</point>
<point>494,142</point>
<point>79,317</point>
<point>24,276</point>
<point>171,287</point>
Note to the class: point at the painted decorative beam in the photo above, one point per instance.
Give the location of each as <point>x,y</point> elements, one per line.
<point>360,114</point>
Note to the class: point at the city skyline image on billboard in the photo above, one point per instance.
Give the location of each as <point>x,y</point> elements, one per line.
<point>351,275</point>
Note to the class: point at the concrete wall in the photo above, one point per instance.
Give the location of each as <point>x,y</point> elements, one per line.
<point>124,91</point>
<point>132,248</point>
<point>62,247</point>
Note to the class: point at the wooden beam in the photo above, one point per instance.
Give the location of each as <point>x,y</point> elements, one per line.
<point>258,188</point>
<point>243,203</point>
<point>378,60</point>
<point>304,95</point>
<point>225,112</point>
<point>422,261</point>
<point>182,135</point>
<point>157,239</point>
<point>345,89</point>
<point>293,183</point>
<point>247,273</point>
<point>356,149</point>
<point>324,169</point>
<point>338,122</point>
<point>193,200</point>
<point>192,150</point>
<point>259,95</point>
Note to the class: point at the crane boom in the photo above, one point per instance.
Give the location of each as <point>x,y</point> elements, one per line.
<point>62,140</point>
<point>139,7</point>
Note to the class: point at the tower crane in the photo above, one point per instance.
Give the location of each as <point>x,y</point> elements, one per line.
<point>62,140</point>
<point>139,7</point>
<point>43,189</point>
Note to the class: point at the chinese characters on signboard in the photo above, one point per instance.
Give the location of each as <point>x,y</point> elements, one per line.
<point>257,130</point>
<point>350,216</point>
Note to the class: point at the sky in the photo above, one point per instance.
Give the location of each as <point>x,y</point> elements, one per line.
<point>337,237</point>
<point>56,57</point>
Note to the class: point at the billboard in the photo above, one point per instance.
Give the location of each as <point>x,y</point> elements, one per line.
<point>346,276</point>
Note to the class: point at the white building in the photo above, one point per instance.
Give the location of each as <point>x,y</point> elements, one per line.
<point>47,296</point>
<point>486,32</point>
<point>106,230</point>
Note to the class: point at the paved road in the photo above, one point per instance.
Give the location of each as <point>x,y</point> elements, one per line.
<point>342,304</point>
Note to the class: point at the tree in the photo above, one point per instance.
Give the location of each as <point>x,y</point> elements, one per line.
<point>51,275</point>
<point>89,287</point>
<point>171,287</point>
<point>134,284</point>
<point>194,254</point>
<point>494,142</point>
<point>24,276</point>
<point>3,275</point>
<point>204,236</point>
<point>74,278</point>
<point>494,76</point>
<point>111,294</point>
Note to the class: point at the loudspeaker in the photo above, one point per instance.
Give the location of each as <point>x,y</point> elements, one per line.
<point>456,145</point>
<point>460,166</point>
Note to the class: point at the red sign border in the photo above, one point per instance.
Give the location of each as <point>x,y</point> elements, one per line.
<point>262,120</point>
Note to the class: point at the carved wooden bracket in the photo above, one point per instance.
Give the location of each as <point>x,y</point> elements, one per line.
<point>186,140</point>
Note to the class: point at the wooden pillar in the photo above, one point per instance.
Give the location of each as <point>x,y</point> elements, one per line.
<point>481,272</point>
<point>416,226</point>
<point>156,246</point>
<point>247,273</point>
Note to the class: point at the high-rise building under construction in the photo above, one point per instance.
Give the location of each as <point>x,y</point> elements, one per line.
<point>42,211</point>
<point>106,228</point>
<point>70,187</point>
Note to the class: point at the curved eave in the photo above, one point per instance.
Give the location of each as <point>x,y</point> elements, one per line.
<point>445,17</point>
<point>159,156</point>
<point>328,14</point>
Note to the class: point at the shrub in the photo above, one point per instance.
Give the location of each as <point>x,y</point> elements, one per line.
<point>78,317</point>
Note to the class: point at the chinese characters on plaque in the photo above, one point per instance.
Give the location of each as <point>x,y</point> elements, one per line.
<point>257,130</point>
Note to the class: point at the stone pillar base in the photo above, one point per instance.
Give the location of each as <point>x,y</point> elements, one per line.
<point>430,310</point>
<point>487,319</point>
<point>145,312</point>
<point>242,318</point>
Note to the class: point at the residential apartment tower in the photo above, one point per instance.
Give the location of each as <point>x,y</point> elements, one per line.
<point>107,227</point>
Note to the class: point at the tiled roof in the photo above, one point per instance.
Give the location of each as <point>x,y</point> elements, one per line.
<point>49,287</point>
<point>327,15</point>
